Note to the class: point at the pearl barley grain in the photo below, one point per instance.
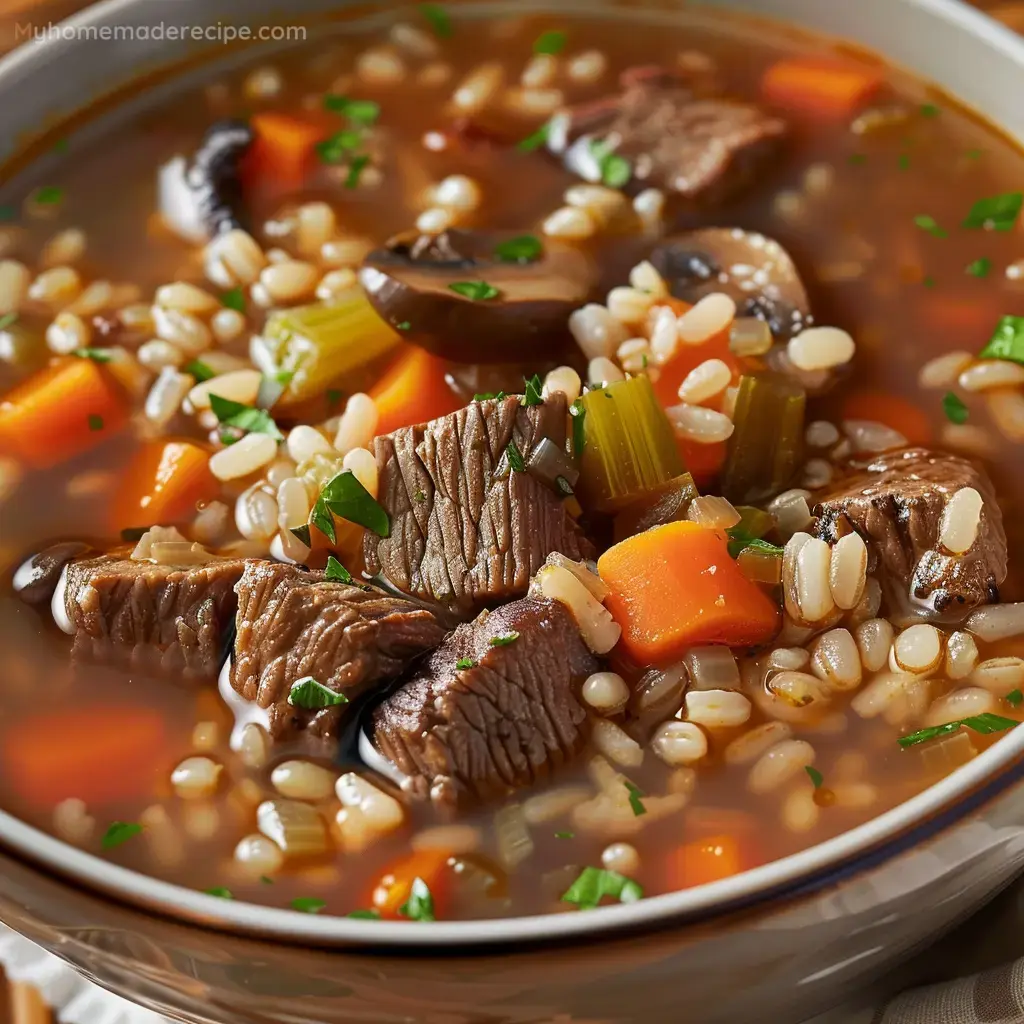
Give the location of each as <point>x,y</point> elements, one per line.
<point>820,348</point>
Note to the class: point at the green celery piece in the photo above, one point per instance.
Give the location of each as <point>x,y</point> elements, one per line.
<point>630,448</point>
<point>765,448</point>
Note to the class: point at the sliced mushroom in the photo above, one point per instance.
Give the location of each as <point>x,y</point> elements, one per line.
<point>214,176</point>
<point>754,270</point>
<point>454,295</point>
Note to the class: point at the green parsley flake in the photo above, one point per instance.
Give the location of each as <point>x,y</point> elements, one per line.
<point>48,195</point>
<point>439,20</point>
<point>244,417</point>
<point>61,146</point>
<point>1015,697</point>
<point>533,392</point>
<point>595,884</point>
<point>335,149</point>
<point>985,724</point>
<point>8,320</point>
<point>815,776</point>
<point>220,892</point>
<point>355,169</point>
<point>336,571</point>
<point>515,458</point>
<point>333,396</point>
<point>403,326</point>
<point>7,212</point>
<point>928,281</point>
<point>903,162</point>
<point>565,835</point>
<point>97,355</point>
<point>522,249</point>
<point>615,170</point>
<point>856,159</point>
<point>118,833</point>
<point>740,539</point>
<point>996,213</point>
<point>636,801</point>
<point>95,422</point>
<point>365,915</point>
<point>549,42</point>
<point>420,904</point>
<point>302,534</point>
<point>579,431</point>
<point>929,110</point>
<point>954,408</point>
<point>1007,342</point>
<point>198,369</point>
<point>345,497</point>
<point>361,112</point>
<point>266,880</point>
<point>310,695</point>
<point>308,904</point>
<point>234,299</point>
<point>536,140</point>
<point>476,291</point>
<point>973,154</point>
<point>504,639</point>
<point>463,663</point>
<point>979,267</point>
<point>928,223</point>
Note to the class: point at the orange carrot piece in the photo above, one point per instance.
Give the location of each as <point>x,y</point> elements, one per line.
<point>284,147</point>
<point>675,586</point>
<point>819,86</point>
<point>165,483</point>
<point>99,755</point>
<point>395,885</point>
<point>61,411</point>
<point>892,410</point>
<point>709,859</point>
<point>413,391</point>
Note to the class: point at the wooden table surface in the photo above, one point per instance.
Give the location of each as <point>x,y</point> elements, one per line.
<point>20,1004</point>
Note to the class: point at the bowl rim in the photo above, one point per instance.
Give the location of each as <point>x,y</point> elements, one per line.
<point>867,846</point>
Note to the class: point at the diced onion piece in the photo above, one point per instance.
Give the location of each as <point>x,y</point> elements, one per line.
<point>599,630</point>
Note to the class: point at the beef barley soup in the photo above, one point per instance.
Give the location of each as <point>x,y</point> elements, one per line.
<point>489,467</point>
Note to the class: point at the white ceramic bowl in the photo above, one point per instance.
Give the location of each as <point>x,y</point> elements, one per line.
<point>796,935</point>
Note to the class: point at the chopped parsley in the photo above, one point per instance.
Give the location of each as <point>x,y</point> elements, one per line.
<point>48,195</point>
<point>97,355</point>
<point>856,159</point>
<point>521,249</point>
<point>310,695</point>
<point>120,832</point>
<point>533,393</point>
<point>7,212</point>
<point>536,140</point>
<point>336,148</point>
<point>361,112</point>
<point>61,146</point>
<point>234,299</point>
<point>198,369</point>
<point>996,213</point>
<point>365,915</point>
<point>1007,341</point>
<point>979,267</point>
<point>636,799</point>
<point>439,20</point>
<point>565,835</point>
<point>333,396</point>
<point>403,326</point>
<point>302,534</point>
<point>419,497</point>
<point>928,223</point>
<point>515,458</point>
<point>486,396</point>
<point>615,170</point>
<point>220,892</point>
<point>954,408</point>
<point>985,724</point>
<point>815,776</point>
<point>355,169</point>
<point>308,904</point>
<point>266,880</point>
<point>504,639</point>
<point>549,42</point>
<point>244,417</point>
<point>8,320</point>
<point>344,496</point>
<point>903,163</point>
<point>740,539</point>
<point>420,904</point>
<point>464,663</point>
<point>336,571</point>
<point>579,431</point>
<point>594,884</point>
<point>1015,697</point>
<point>973,154</point>
<point>95,422</point>
<point>477,291</point>
<point>928,281</point>
<point>930,110</point>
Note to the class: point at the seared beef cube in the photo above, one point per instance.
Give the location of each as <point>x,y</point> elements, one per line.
<point>699,148</point>
<point>895,502</point>
<point>463,533</point>
<point>495,708</point>
<point>293,624</point>
<point>163,618</point>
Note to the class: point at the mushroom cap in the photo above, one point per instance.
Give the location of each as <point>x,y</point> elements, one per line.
<point>409,281</point>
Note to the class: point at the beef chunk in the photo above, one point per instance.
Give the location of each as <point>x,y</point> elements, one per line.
<point>293,624</point>
<point>505,720</point>
<point>895,502</point>
<point>461,533</point>
<point>701,149</point>
<point>163,618</point>
<point>36,579</point>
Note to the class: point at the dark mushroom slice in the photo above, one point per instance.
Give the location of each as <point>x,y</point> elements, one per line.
<point>214,175</point>
<point>455,295</point>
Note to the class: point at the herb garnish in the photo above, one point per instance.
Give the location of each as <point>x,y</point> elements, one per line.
<point>419,497</point>
<point>536,140</point>
<point>198,369</point>
<point>521,249</point>
<point>549,42</point>
<point>308,694</point>
<point>515,458</point>
<point>928,281</point>
<point>220,892</point>
<point>333,397</point>
<point>336,571</point>
<point>1015,697</point>
<point>302,534</point>
<point>903,163</point>
<point>973,154</point>
<point>815,776</point>
<point>97,355</point>
<point>464,663</point>
<point>486,396</point>
<point>930,110</point>
<point>477,291</point>
<point>355,170</point>
<point>985,724</point>
<point>504,639</point>
<point>740,539</point>
<point>95,422</point>
<point>308,904</point>
<point>928,223</point>
<point>998,213</point>
<point>361,112</point>
<point>954,408</point>
<point>1007,342</point>
<point>344,496</point>
<point>438,18</point>
<point>244,417</point>
<point>565,835</point>
<point>595,883</point>
<point>979,267</point>
<point>234,299</point>
<point>636,801</point>
<point>336,148</point>
<point>7,212</point>
<point>8,320</point>
<point>48,195</point>
<point>533,392</point>
<point>403,326</point>
<point>365,915</point>
<point>615,170</point>
<point>120,832</point>
<point>420,904</point>
<point>266,880</point>
<point>579,433</point>
<point>856,159</point>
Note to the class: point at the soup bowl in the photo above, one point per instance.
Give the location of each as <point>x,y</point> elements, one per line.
<point>779,943</point>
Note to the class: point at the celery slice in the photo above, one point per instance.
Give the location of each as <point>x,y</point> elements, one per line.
<point>630,447</point>
<point>765,448</point>
<point>319,343</point>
